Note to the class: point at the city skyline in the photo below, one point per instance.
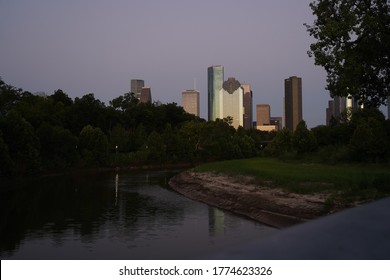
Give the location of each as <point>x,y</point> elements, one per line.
<point>89,47</point>
<point>97,47</point>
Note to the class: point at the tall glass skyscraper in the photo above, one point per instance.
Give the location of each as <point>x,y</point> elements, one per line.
<point>215,81</point>
<point>292,102</point>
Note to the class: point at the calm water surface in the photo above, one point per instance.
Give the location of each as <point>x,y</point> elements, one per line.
<point>113,216</point>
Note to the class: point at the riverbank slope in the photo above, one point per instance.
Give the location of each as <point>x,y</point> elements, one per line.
<point>269,205</point>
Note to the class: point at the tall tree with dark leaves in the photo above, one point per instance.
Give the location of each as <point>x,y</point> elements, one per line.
<point>353,45</point>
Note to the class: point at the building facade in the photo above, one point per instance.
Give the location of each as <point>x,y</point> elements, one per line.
<point>263,114</point>
<point>329,111</point>
<point>277,122</point>
<point>264,121</point>
<point>342,104</point>
<point>231,102</point>
<point>215,77</point>
<point>136,87</point>
<point>292,102</point>
<point>190,101</point>
<point>146,95</point>
<point>248,104</point>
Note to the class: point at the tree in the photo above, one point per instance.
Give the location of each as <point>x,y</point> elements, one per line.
<point>58,146</point>
<point>9,97</point>
<point>88,110</point>
<point>93,144</point>
<point>369,141</point>
<point>23,144</point>
<point>281,143</point>
<point>119,139</point>
<point>60,96</point>
<point>5,159</point>
<point>353,45</point>
<point>303,140</point>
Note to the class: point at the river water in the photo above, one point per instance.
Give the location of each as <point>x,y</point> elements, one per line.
<point>113,216</point>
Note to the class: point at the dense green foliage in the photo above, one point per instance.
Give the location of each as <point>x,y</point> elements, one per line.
<point>41,133</point>
<point>353,45</point>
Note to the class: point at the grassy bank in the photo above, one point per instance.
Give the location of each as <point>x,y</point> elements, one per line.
<point>350,183</point>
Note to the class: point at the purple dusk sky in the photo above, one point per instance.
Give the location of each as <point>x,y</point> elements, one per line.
<point>84,46</point>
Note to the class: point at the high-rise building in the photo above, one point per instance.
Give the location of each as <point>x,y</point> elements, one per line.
<point>215,81</point>
<point>190,101</point>
<point>146,95</point>
<point>264,121</point>
<point>342,104</point>
<point>248,97</point>
<point>292,102</point>
<point>263,114</point>
<point>136,87</point>
<point>329,111</point>
<point>231,102</point>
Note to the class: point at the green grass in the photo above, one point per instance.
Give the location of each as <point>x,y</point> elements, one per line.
<point>349,181</point>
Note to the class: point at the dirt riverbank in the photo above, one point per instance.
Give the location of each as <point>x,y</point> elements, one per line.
<point>267,204</point>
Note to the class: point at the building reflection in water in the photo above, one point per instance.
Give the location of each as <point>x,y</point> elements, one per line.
<point>116,188</point>
<point>216,222</point>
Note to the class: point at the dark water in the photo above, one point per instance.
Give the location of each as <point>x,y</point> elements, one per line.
<point>113,216</point>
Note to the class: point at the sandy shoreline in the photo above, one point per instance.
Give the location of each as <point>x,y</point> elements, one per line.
<point>268,205</point>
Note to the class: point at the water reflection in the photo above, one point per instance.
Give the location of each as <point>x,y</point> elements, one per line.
<point>82,217</point>
<point>116,188</point>
<point>216,222</point>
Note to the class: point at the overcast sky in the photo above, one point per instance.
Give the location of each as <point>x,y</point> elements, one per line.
<point>91,46</point>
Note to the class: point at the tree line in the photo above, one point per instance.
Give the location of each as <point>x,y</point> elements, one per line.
<point>359,135</point>
<point>41,133</point>
<point>49,132</point>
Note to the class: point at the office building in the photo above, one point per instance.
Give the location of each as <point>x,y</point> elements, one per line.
<point>215,80</point>
<point>339,105</point>
<point>136,87</point>
<point>248,97</point>
<point>231,102</point>
<point>329,111</point>
<point>146,95</point>
<point>190,101</point>
<point>264,121</point>
<point>292,102</point>
<point>342,104</point>
<point>277,122</point>
<point>263,114</point>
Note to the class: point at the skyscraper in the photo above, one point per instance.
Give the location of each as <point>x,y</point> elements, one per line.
<point>215,81</point>
<point>264,121</point>
<point>146,95</point>
<point>136,86</point>
<point>231,102</point>
<point>248,116</point>
<point>190,101</point>
<point>329,111</point>
<point>263,114</point>
<point>343,104</point>
<point>292,102</point>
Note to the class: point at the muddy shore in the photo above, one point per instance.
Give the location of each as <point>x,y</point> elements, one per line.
<point>266,204</point>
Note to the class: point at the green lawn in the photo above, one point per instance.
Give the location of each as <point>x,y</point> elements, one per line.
<point>349,181</point>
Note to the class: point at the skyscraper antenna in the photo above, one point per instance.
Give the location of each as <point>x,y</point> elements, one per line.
<point>194,83</point>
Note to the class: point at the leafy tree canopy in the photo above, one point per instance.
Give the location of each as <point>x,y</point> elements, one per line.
<point>353,45</point>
